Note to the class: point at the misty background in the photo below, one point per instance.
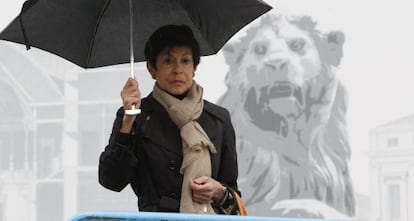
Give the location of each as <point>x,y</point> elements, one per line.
<point>376,67</point>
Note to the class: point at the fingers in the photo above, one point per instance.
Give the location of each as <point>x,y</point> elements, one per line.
<point>202,179</point>
<point>202,194</point>
<point>131,94</point>
<point>204,189</point>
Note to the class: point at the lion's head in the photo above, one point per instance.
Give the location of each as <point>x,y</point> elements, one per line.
<point>288,109</point>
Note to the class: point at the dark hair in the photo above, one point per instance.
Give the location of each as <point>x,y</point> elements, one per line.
<point>171,36</point>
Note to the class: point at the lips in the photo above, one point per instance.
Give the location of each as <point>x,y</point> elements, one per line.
<point>177,82</point>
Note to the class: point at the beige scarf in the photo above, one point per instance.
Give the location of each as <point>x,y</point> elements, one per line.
<point>196,144</point>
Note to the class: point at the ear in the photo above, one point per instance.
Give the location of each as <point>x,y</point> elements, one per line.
<point>151,70</point>
<point>331,47</point>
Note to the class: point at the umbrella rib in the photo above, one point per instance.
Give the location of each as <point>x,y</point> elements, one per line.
<point>26,5</point>
<point>92,43</point>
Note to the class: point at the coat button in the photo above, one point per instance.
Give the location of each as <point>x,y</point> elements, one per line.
<point>173,195</point>
<point>172,165</point>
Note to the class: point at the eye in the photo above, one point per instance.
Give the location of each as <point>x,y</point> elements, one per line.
<point>186,60</point>
<point>297,44</point>
<point>260,49</point>
<point>168,60</point>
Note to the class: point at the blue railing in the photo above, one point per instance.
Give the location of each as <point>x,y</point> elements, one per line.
<point>150,216</point>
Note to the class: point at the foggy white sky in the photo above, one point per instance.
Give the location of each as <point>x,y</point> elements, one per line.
<point>376,68</point>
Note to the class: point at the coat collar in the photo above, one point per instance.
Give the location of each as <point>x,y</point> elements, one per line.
<point>159,128</point>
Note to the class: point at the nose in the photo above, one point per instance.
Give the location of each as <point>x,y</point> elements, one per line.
<point>277,64</point>
<point>178,68</point>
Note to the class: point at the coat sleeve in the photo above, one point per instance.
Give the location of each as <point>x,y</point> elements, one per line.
<point>118,162</point>
<point>229,168</point>
<point>228,171</point>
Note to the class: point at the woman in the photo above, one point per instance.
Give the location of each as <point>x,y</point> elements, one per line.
<point>156,150</point>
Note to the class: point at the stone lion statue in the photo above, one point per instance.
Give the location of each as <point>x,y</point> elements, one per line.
<point>288,108</point>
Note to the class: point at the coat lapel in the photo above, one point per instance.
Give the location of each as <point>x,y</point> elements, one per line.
<point>159,128</point>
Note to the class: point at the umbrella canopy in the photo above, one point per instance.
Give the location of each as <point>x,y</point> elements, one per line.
<point>95,33</point>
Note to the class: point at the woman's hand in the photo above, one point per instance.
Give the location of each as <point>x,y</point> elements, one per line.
<point>130,95</point>
<point>206,189</point>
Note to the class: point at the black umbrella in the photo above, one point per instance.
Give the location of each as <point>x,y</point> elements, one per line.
<point>96,33</point>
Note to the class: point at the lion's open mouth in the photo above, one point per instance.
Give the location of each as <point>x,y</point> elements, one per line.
<point>257,106</point>
<point>284,89</point>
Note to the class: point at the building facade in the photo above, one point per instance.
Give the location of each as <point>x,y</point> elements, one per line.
<point>54,123</point>
<point>391,157</point>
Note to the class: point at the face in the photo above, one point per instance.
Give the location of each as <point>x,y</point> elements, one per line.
<point>174,70</point>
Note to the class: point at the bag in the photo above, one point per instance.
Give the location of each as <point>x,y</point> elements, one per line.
<point>238,207</point>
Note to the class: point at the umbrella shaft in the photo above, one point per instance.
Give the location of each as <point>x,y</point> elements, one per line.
<point>132,68</point>
<point>131,39</point>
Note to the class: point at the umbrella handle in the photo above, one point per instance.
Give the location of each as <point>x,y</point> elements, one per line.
<point>133,110</point>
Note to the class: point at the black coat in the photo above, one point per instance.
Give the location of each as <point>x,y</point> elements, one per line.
<point>150,160</point>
